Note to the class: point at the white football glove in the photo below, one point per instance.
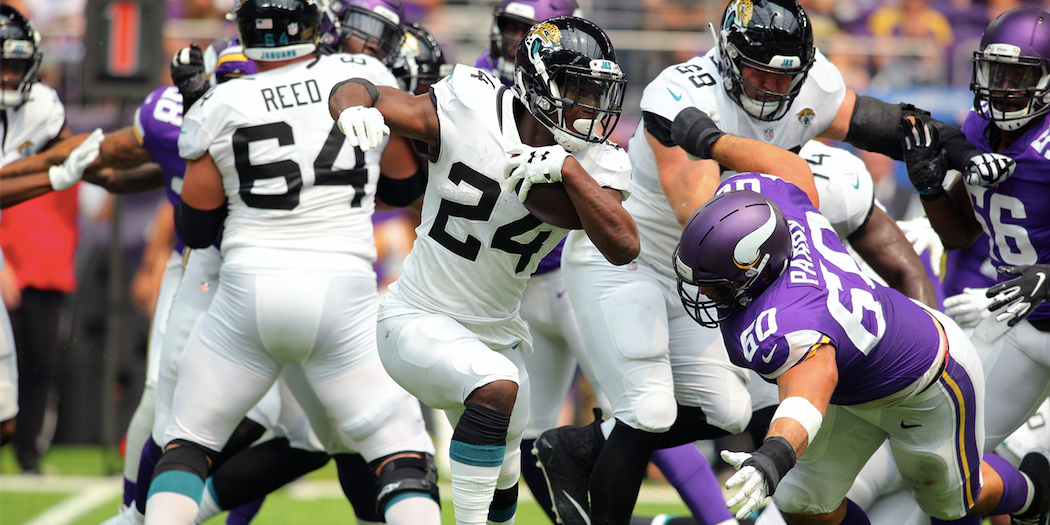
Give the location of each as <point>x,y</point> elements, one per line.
<point>363,127</point>
<point>753,490</point>
<point>534,166</point>
<point>923,238</point>
<point>988,169</point>
<point>969,308</point>
<point>65,175</point>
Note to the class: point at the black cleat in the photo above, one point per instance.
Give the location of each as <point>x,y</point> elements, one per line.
<point>567,455</point>
<point>1036,465</point>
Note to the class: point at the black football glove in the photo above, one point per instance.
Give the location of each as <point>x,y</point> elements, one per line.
<point>188,74</point>
<point>695,132</point>
<point>1020,295</point>
<point>923,155</point>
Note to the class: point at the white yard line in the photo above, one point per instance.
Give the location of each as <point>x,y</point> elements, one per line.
<point>89,493</point>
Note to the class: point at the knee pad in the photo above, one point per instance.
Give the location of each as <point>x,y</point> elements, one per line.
<point>187,457</point>
<point>656,412</point>
<point>405,475</point>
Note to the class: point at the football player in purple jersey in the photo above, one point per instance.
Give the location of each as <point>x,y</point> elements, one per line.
<point>511,19</point>
<point>1011,85</point>
<point>855,362</point>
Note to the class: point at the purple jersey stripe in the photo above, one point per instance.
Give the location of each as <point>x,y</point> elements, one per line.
<point>957,384</point>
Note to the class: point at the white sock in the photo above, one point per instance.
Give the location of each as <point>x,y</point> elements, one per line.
<point>472,490</point>
<point>508,522</point>
<point>139,430</point>
<point>607,427</point>
<point>209,507</point>
<point>1031,496</point>
<point>170,508</point>
<point>415,510</point>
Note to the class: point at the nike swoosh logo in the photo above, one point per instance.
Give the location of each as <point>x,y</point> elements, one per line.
<point>904,425</point>
<point>766,358</point>
<point>676,97</point>
<point>856,181</point>
<point>579,508</point>
<point>1042,277</point>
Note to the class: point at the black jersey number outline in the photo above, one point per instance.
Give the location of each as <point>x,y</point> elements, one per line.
<point>700,80</point>
<point>502,238</point>
<point>248,173</point>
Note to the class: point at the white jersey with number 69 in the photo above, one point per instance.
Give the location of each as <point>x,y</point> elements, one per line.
<point>291,180</point>
<point>477,245</point>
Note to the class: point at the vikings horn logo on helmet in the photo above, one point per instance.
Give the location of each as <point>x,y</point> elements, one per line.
<point>747,252</point>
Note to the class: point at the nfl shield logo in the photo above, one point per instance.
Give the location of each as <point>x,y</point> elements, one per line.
<point>769,134</point>
<point>293,29</point>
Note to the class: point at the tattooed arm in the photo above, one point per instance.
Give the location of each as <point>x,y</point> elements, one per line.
<point>119,150</point>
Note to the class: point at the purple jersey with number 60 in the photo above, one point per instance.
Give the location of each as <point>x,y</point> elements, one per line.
<point>157,124</point>
<point>883,341</point>
<point>1015,215</point>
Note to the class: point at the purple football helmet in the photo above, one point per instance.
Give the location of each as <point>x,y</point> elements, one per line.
<point>331,10</point>
<point>1011,70</point>
<point>737,243</point>
<point>379,25</point>
<point>224,60</point>
<point>512,19</point>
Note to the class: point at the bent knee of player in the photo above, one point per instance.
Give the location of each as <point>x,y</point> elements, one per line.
<point>793,498</point>
<point>655,412</point>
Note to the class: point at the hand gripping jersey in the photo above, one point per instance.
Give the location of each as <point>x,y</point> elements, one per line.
<point>697,83</point>
<point>25,130</point>
<point>292,181</point>
<point>884,342</point>
<point>1015,215</point>
<point>477,245</point>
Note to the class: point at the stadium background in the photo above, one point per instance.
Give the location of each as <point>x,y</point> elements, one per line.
<point>913,50</point>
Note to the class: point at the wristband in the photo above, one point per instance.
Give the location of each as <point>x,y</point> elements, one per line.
<point>774,459</point>
<point>802,411</point>
<point>369,87</point>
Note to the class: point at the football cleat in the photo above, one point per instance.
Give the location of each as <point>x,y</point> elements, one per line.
<point>567,456</point>
<point>1036,465</point>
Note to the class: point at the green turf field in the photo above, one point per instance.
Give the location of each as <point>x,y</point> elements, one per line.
<point>80,487</point>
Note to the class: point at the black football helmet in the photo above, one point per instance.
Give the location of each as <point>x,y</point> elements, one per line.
<point>275,30</point>
<point>769,36</point>
<point>379,24</point>
<point>564,64</point>
<point>19,57</point>
<point>420,62</point>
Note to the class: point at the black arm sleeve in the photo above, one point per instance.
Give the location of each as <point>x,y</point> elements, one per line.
<point>659,128</point>
<point>402,192</point>
<point>958,150</point>
<point>198,228</point>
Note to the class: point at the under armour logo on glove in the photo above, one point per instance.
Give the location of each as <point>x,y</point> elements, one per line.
<point>1021,295</point>
<point>988,169</point>
<point>540,166</point>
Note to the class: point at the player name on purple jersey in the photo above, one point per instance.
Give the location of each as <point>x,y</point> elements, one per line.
<point>884,342</point>
<point>1014,214</point>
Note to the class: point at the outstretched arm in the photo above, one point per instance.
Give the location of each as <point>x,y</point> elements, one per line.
<point>143,178</point>
<point>408,115</point>
<point>120,149</point>
<point>882,244</point>
<point>695,132</point>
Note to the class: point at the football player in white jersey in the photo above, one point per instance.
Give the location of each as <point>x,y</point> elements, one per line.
<point>449,328</point>
<point>296,284</point>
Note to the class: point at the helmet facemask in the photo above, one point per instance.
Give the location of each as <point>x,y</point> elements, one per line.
<point>378,35</point>
<point>577,97</point>
<point>758,102</point>
<point>731,296</point>
<point>1010,90</point>
<point>507,31</point>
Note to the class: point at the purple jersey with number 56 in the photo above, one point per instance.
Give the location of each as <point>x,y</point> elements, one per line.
<point>1015,215</point>
<point>157,124</point>
<point>883,341</point>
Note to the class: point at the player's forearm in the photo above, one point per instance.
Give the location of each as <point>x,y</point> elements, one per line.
<point>608,225</point>
<point>743,155</point>
<point>951,216</point>
<point>882,244</point>
<point>18,190</point>
<point>144,178</point>
<point>119,150</point>
<point>42,161</point>
<point>347,95</point>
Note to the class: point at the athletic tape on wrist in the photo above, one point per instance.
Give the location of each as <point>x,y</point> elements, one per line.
<point>801,410</point>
